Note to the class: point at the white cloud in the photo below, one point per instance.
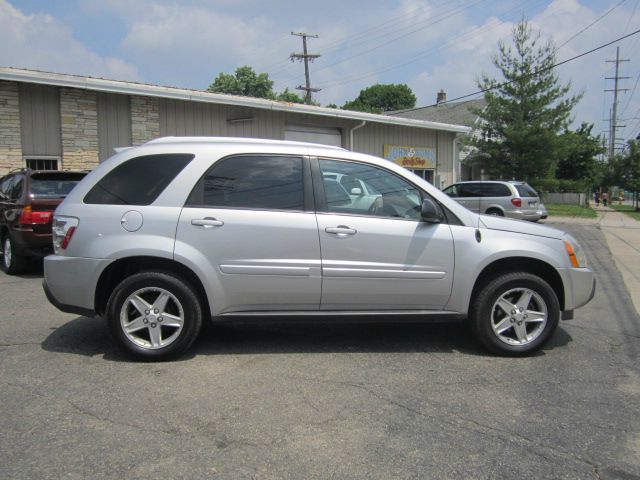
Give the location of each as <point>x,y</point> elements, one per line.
<point>41,42</point>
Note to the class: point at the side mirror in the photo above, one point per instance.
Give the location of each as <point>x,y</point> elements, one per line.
<point>429,212</point>
<point>356,191</point>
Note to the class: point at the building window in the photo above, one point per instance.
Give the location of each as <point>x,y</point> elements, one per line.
<point>42,163</point>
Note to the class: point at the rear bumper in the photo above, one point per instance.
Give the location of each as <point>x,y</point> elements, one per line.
<point>579,287</point>
<point>70,282</point>
<point>31,244</point>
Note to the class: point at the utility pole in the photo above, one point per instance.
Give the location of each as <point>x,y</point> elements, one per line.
<point>613,121</point>
<point>305,57</point>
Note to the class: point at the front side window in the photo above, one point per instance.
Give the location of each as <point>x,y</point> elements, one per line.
<point>138,181</point>
<point>360,189</point>
<point>252,181</point>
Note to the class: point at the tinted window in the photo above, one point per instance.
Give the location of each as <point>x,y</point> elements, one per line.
<point>492,190</point>
<point>5,187</point>
<point>384,194</point>
<point>16,187</point>
<point>138,181</point>
<point>452,191</point>
<point>53,185</point>
<point>526,191</point>
<point>266,182</point>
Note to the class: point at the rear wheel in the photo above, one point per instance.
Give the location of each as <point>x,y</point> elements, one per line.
<point>12,262</point>
<point>495,212</point>
<point>154,315</point>
<point>515,314</point>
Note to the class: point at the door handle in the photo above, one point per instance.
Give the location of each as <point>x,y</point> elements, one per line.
<point>207,222</point>
<point>341,231</point>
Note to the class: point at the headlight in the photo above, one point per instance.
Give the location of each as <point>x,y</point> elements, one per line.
<point>576,255</point>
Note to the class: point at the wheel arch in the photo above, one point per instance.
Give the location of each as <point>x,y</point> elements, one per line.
<point>124,267</point>
<point>521,264</point>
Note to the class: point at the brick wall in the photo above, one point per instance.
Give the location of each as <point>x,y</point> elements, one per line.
<point>79,125</point>
<point>145,119</point>
<point>10,141</point>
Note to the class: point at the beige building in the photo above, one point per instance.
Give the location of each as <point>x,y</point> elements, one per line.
<point>59,121</point>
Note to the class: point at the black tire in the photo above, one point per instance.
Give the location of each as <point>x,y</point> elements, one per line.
<point>12,263</point>
<point>495,212</point>
<point>184,297</point>
<point>482,314</point>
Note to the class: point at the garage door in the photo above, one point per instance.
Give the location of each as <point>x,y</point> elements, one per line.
<point>306,133</point>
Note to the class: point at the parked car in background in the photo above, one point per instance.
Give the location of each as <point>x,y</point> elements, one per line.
<point>28,199</point>
<point>163,236</point>
<point>500,198</point>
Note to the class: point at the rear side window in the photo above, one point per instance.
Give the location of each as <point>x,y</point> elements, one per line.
<point>525,190</point>
<point>261,182</point>
<point>138,181</point>
<point>54,184</point>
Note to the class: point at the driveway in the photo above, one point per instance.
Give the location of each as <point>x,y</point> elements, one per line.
<point>298,401</point>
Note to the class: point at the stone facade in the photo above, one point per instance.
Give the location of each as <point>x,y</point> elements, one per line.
<point>145,119</point>
<point>79,124</point>
<point>10,140</point>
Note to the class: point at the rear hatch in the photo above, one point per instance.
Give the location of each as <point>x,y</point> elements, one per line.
<point>47,191</point>
<point>530,198</point>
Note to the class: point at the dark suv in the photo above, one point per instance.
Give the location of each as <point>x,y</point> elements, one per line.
<point>28,199</point>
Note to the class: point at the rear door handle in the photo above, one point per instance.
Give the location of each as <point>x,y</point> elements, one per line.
<point>207,222</point>
<point>341,230</point>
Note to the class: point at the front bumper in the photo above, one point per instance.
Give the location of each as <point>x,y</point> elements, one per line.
<point>579,287</point>
<point>70,282</point>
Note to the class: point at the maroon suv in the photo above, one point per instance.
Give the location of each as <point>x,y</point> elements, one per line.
<point>28,199</point>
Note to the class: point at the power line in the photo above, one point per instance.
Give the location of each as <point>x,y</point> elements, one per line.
<point>360,37</point>
<point>452,41</point>
<point>533,74</point>
<point>429,22</point>
<point>593,23</point>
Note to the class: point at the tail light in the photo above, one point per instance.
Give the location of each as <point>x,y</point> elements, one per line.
<point>31,217</point>
<point>63,230</point>
<point>517,202</point>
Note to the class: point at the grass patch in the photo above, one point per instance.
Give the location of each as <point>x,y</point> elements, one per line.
<point>628,209</point>
<point>562,210</point>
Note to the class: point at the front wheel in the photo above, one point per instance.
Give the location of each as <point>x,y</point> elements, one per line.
<point>154,315</point>
<point>515,314</point>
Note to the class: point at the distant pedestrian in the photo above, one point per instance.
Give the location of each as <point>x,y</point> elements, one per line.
<point>605,197</point>
<point>596,198</point>
<point>621,196</point>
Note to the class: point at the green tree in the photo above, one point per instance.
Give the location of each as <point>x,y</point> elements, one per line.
<point>382,98</point>
<point>245,82</point>
<point>289,96</point>
<point>525,110</point>
<point>626,168</point>
<point>578,151</point>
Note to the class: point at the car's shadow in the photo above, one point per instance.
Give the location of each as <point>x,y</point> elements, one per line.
<point>91,337</point>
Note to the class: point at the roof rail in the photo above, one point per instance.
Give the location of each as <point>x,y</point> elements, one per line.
<point>252,141</point>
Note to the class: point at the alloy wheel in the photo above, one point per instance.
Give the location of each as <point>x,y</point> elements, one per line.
<point>519,316</point>
<point>152,318</point>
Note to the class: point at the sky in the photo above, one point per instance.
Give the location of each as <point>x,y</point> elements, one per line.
<point>426,44</point>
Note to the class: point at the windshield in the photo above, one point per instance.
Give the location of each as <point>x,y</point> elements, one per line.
<point>53,185</point>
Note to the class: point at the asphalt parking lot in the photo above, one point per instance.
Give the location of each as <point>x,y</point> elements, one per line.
<point>298,401</point>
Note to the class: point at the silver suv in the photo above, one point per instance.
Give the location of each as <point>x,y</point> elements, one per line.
<point>500,198</point>
<point>162,236</point>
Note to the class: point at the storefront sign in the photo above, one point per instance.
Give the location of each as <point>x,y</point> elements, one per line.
<point>415,158</point>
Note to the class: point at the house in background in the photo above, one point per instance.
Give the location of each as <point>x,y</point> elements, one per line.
<point>60,121</point>
<point>457,113</point>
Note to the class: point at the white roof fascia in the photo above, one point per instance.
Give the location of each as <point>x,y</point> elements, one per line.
<point>132,88</point>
